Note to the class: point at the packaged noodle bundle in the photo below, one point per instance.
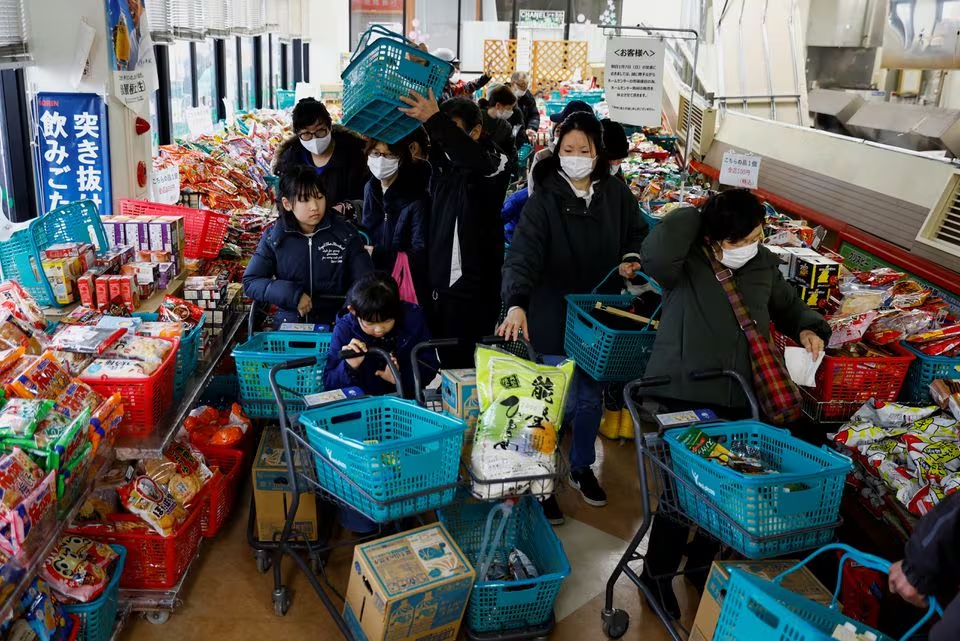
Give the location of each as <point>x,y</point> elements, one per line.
<point>78,568</point>
<point>181,471</point>
<point>521,409</point>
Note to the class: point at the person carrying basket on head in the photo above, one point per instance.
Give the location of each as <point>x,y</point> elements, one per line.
<point>577,225</point>
<point>722,289</point>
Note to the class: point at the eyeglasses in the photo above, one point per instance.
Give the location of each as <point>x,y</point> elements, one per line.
<point>377,154</point>
<point>307,136</point>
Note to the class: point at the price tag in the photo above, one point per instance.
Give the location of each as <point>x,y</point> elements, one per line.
<point>740,170</point>
<point>199,121</point>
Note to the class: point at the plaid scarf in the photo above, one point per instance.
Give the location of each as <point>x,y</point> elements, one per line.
<point>778,395</point>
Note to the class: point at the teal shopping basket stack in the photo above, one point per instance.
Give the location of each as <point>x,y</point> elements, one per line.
<point>385,67</point>
<point>98,617</point>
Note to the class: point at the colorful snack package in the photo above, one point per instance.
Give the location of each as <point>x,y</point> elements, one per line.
<point>934,460</point>
<point>942,389</point>
<point>147,499</point>
<point>16,332</point>
<point>22,305</point>
<point>157,329</point>
<point>176,309</point>
<point>82,316</point>
<point>77,568</point>
<point>44,378</point>
<point>849,329</point>
<point>106,368</point>
<point>898,479</point>
<point>935,428</point>
<point>76,398</point>
<point>950,484</point>
<point>891,449</point>
<point>9,355</point>
<point>892,415</point>
<point>20,417</point>
<point>182,471</point>
<point>141,348</point>
<point>74,362</point>
<point>946,347</point>
<point>44,614</point>
<point>860,432</point>
<point>86,339</point>
<point>908,293</point>
<point>950,331</point>
<point>106,419</point>
<point>926,498</point>
<point>879,277</point>
<point>895,326</point>
<point>19,476</point>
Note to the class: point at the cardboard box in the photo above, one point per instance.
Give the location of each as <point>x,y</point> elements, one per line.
<point>409,587</point>
<point>137,232</point>
<point>814,297</point>
<point>103,292</point>
<point>801,582</point>
<point>809,268</point>
<point>62,274</point>
<point>459,390</point>
<point>114,227</point>
<point>269,482</point>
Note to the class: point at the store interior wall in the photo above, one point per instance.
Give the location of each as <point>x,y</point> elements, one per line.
<point>329,34</point>
<point>54,46</point>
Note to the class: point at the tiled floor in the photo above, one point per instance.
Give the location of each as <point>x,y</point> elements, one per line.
<point>226,597</point>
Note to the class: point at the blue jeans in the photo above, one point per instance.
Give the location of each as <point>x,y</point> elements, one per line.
<point>583,411</point>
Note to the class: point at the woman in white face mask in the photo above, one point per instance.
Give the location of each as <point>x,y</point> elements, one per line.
<point>332,151</point>
<point>395,209</point>
<point>578,224</point>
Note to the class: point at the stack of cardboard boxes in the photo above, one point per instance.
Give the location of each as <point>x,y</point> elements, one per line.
<point>217,297</point>
<point>814,275</point>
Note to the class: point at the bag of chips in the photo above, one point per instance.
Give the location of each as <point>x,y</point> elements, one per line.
<point>151,502</point>
<point>892,415</point>
<point>898,479</point>
<point>44,613</point>
<point>182,472</point>
<point>19,477</point>
<point>78,568</point>
<point>44,378</point>
<point>934,460</point>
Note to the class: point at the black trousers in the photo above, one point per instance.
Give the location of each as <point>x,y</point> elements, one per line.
<point>467,317</point>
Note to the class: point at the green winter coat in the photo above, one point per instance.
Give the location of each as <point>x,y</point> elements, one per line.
<point>698,329</point>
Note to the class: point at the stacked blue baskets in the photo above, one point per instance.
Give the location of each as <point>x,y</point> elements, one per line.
<point>386,67</point>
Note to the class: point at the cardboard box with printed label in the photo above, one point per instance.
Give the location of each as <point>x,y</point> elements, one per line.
<point>459,389</point>
<point>809,268</point>
<point>270,495</point>
<point>408,587</point>
<point>801,582</point>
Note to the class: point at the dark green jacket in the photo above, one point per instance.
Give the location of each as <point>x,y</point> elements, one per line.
<point>698,329</point>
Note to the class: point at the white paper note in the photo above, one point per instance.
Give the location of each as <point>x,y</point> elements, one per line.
<point>802,367</point>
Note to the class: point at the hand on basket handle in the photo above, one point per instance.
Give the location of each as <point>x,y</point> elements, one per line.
<point>354,352</point>
<point>514,325</point>
<point>629,269</point>
<point>900,584</point>
<point>419,107</point>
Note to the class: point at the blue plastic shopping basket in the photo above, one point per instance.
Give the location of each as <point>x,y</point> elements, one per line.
<point>98,617</point>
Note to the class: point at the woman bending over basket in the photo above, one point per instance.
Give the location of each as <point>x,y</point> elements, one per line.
<point>577,225</point>
<point>699,330</point>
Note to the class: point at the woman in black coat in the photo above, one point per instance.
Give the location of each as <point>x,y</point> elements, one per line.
<point>578,224</point>
<point>331,151</point>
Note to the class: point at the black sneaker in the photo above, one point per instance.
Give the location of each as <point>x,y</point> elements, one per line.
<point>551,509</point>
<point>662,590</point>
<point>590,490</point>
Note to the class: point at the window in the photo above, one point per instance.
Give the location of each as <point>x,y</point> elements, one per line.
<point>276,53</point>
<point>181,87</point>
<point>265,87</point>
<point>233,81</point>
<point>248,73</point>
<point>206,77</point>
<point>387,13</point>
<point>17,197</point>
<point>13,32</point>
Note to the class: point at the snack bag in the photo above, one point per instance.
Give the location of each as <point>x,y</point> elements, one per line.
<point>935,428</point>
<point>862,432</point>
<point>106,368</point>
<point>106,419</point>
<point>85,339</point>
<point>893,327</point>
<point>44,614</point>
<point>176,309</point>
<point>22,305</point>
<point>78,568</point>
<point>141,348</point>
<point>157,329</point>
<point>19,477</point>
<point>76,398</point>
<point>15,332</point>
<point>892,415</point>
<point>908,293</point>
<point>44,378</point>
<point>934,460</point>
<point>182,472</point>
<point>20,417</point>
<point>73,362</point>
<point>147,499</point>
<point>849,329</point>
<point>926,498</point>
<point>9,355</point>
<point>889,449</point>
<point>879,277</point>
<point>898,479</point>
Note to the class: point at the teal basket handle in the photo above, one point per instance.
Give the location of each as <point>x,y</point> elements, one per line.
<point>868,561</point>
<point>364,41</point>
<point>653,283</point>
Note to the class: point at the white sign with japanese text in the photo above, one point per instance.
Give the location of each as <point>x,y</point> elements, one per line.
<point>740,170</point>
<point>165,185</point>
<point>634,80</point>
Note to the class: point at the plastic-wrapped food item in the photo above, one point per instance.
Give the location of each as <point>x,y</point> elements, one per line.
<point>151,502</point>
<point>77,397</point>
<point>861,432</point>
<point>85,339</point>
<point>82,316</point>
<point>208,426</point>
<point>105,368</point>
<point>934,460</point>
<point>908,293</point>
<point>78,568</point>
<point>22,305</point>
<point>935,428</point>
<point>176,309</point>
<point>106,418</point>
<point>20,417</point>
<point>43,378</point>
<point>899,480</point>
<point>860,301</point>
<point>948,331</point>
<point>181,471</point>
<point>19,476</point>
<point>59,441</point>
<point>849,329</point>
<point>9,355</point>
<point>947,347</point>
<point>892,415</point>
<point>950,484</point>
<point>16,332</point>
<point>73,362</point>
<point>521,567</point>
<point>141,348</point>
<point>159,329</point>
<point>895,326</point>
<point>44,614</point>
<point>926,498</point>
<point>879,277</point>
<point>889,449</point>
<point>946,394</point>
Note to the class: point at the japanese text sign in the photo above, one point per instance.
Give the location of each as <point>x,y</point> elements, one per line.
<point>73,158</point>
<point>740,170</point>
<point>634,80</point>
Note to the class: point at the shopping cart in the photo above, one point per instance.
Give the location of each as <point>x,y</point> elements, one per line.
<point>379,477</point>
<point>670,495</point>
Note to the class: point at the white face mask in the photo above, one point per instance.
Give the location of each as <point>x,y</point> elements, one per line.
<point>614,169</point>
<point>318,145</point>
<point>454,78</point>
<point>518,92</point>
<point>577,167</point>
<point>503,115</point>
<point>383,168</point>
<point>739,256</point>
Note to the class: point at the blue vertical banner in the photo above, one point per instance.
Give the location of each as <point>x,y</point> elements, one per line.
<point>73,150</point>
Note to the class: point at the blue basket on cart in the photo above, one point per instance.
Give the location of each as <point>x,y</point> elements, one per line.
<point>385,68</point>
<point>376,451</point>
<point>98,617</point>
<point>503,606</point>
<point>188,355</point>
<point>755,608</point>
<point>607,355</point>
<point>590,96</point>
<point>804,495</point>
<point>21,256</point>
<point>924,370</point>
<point>264,350</point>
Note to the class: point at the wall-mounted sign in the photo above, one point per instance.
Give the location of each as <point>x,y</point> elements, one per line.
<point>633,80</point>
<point>541,19</point>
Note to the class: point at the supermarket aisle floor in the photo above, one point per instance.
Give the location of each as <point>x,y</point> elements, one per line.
<point>226,595</point>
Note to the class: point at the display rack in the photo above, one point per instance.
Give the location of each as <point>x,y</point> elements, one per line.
<point>138,447</point>
<point>149,305</point>
<point>123,616</point>
<point>51,534</point>
<point>156,604</point>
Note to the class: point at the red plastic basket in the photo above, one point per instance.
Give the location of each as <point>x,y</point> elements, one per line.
<point>223,490</point>
<point>843,378</point>
<point>204,230</point>
<point>144,399</point>
<point>155,562</point>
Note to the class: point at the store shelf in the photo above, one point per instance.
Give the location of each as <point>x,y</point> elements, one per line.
<point>50,535</point>
<point>139,447</point>
<point>149,306</point>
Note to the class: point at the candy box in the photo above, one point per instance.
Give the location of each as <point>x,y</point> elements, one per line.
<point>137,231</point>
<point>87,285</point>
<point>809,268</point>
<point>814,297</point>
<point>102,287</point>
<point>62,274</point>
<point>165,273</point>
<point>124,289</point>
<point>114,227</point>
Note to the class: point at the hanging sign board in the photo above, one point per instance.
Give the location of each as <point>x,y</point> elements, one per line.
<point>73,157</point>
<point>165,185</point>
<point>541,19</point>
<point>740,170</point>
<point>199,121</point>
<point>634,80</point>
<point>130,53</point>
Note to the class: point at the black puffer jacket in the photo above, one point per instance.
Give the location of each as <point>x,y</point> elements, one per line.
<point>345,175</point>
<point>698,329</point>
<point>564,246</point>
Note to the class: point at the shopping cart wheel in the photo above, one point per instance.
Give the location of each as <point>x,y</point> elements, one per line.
<point>281,601</point>
<point>158,617</point>
<point>615,623</point>
<point>264,561</point>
